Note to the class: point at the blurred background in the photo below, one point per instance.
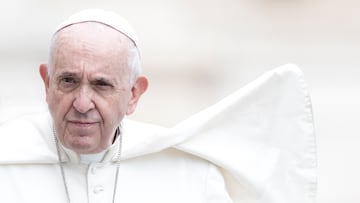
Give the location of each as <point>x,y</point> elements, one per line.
<point>196,52</point>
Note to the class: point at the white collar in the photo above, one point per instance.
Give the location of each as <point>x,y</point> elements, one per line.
<point>91,158</point>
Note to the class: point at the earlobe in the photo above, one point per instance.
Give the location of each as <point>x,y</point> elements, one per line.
<point>137,90</point>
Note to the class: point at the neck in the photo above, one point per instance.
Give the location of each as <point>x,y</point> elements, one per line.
<point>97,157</point>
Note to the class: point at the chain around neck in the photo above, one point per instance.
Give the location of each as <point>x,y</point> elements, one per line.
<point>61,164</point>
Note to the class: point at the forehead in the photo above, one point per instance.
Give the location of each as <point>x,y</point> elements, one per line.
<point>99,36</point>
<point>89,43</point>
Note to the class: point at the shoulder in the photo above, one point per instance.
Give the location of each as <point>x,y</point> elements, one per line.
<point>35,124</point>
<point>26,138</point>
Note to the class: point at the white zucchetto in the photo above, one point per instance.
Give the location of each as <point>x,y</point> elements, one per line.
<point>101,16</point>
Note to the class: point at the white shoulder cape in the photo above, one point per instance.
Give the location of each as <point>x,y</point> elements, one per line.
<point>261,137</point>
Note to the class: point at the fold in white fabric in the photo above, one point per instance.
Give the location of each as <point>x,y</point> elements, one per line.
<point>262,137</point>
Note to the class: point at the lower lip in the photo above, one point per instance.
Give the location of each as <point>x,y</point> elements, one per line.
<point>83,125</point>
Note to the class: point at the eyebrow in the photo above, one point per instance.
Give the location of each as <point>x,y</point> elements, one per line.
<point>66,74</point>
<point>102,79</point>
<point>93,80</point>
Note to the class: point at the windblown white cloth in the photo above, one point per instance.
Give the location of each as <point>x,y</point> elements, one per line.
<point>255,146</point>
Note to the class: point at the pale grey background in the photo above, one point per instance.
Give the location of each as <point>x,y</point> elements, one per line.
<point>195,52</point>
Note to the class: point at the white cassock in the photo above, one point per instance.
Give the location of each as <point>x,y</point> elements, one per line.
<point>255,146</point>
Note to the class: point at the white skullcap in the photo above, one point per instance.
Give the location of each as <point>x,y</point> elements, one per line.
<point>101,16</point>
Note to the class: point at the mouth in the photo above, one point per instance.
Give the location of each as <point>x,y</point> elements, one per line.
<point>83,124</point>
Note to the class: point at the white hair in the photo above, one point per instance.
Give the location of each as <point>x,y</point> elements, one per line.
<point>134,62</point>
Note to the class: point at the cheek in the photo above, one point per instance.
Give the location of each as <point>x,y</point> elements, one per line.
<point>50,98</point>
<point>58,103</point>
<point>115,108</point>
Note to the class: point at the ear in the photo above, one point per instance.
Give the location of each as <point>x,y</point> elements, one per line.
<point>137,90</point>
<point>45,77</point>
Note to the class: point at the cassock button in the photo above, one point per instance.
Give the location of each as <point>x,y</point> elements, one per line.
<point>98,189</point>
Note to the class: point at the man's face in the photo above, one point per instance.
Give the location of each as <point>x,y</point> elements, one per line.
<point>88,87</point>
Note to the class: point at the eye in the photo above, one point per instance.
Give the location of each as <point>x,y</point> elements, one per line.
<point>102,83</point>
<point>68,80</point>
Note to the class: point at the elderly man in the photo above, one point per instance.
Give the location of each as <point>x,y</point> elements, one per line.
<point>239,150</point>
<point>92,81</point>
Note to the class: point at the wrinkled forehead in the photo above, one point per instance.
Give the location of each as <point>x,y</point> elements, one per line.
<point>89,44</point>
<point>108,18</point>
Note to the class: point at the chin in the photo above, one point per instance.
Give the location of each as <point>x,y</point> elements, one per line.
<point>82,146</point>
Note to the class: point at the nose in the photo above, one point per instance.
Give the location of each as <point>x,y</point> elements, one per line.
<point>83,101</point>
